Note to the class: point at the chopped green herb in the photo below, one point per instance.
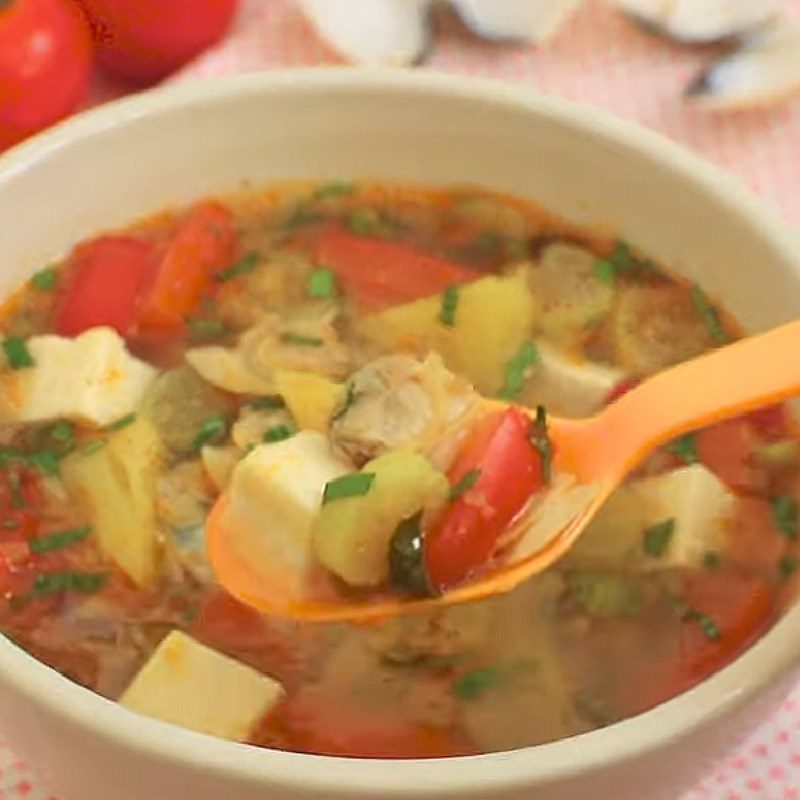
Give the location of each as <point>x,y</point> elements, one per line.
<point>465,484</point>
<point>649,266</point>
<point>709,315</point>
<point>321,283</point>
<point>447,315</point>
<point>364,222</point>
<point>302,214</point>
<point>685,447</point>
<point>788,566</point>
<point>407,572</point>
<point>58,541</point>
<point>266,402</point>
<point>621,259</point>
<point>246,264</point>
<point>10,455</point>
<point>93,447</point>
<point>334,189</point>
<point>605,271</point>
<point>784,515</point>
<point>44,460</point>
<point>301,340</point>
<point>604,595</point>
<point>657,538</point>
<point>62,432</point>
<point>471,685</point>
<point>56,582</point>
<point>45,280</point>
<point>122,422</point>
<point>203,328</point>
<point>17,353</point>
<point>540,440</point>
<point>277,433</point>
<point>349,399</point>
<point>712,560</point>
<point>213,428</point>
<point>516,370</point>
<point>707,625</point>
<point>354,484</point>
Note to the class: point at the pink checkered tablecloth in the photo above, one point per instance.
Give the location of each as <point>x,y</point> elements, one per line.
<point>599,59</point>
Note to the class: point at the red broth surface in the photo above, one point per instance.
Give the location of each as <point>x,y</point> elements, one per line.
<point>102,517</point>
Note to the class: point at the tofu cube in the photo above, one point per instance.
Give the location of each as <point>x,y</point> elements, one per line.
<point>91,379</point>
<point>191,685</point>
<point>274,496</point>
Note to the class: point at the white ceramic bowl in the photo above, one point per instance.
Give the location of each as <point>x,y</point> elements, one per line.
<point>133,157</point>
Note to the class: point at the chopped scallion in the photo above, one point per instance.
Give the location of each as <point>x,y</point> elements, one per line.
<point>540,439</point>
<point>447,315</point>
<point>471,685</point>
<point>349,399</point>
<point>277,433</point>
<point>321,283</point>
<point>246,264</point>
<point>122,422</point>
<point>709,315</point>
<point>93,447</point>
<point>604,271</point>
<point>712,560</point>
<point>213,428</point>
<point>301,340</point>
<point>685,447</point>
<point>266,402</point>
<point>465,484</point>
<point>58,541</point>
<point>63,432</point>
<point>517,369</point>
<point>706,623</point>
<point>45,280</point>
<point>203,328</point>
<point>56,582</point>
<point>788,566</point>
<point>784,515</point>
<point>334,189</point>
<point>17,353</point>
<point>364,222</point>
<point>657,538</point>
<point>44,460</point>
<point>354,484</point>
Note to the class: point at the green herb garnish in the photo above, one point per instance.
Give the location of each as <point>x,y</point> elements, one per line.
<point>213,428</point>
<point>447,315</point>
<point>353,485</point>
<point>301,340</point>
<point>364,222</point>
<point>246,264</point>
<point>712,560</point>
<point>321,283</point>
<point>56,582</point>
<point>471,685</point>
<point>277,433</point>
<point>349,399</point>
<point>17,353</point>
<point>122,422</point>
<point>62,432</point>
<point>787,566</point>
<point>709,315</point>
<point>685,447</point>
<point>706,623</point>
<point>266,402</point>
<point>334,189</point>
<point>44,460</point>
<point>621,258</point>
<point>604,595</point>
<point>540,440</point>
<point>93,447</point>
<point>516,370</point>
<point>465,484</point>
<point>58,541</point>
<point>604,271</point>
<point>202,328</point>
<point>45,280</point>
<point>657,538</point>
<point>784,515</point>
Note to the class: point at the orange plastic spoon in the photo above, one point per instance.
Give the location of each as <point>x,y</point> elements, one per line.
<point>598,452</point>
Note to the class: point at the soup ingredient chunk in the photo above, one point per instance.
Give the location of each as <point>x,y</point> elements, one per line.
<point>91,379</point>
<point>191,685</point>
<point>114,481</point>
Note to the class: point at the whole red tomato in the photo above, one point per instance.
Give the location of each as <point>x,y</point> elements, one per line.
<point>45,58</point>
<point>144,40</point>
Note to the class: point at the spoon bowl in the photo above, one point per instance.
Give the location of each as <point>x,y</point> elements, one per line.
<point>592,457</point>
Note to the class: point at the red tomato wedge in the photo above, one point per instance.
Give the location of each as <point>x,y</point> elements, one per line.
<point>509,472</point>
<point>740,608</point>
<point>108,275</point>
<point>376,273</point>
<point>203,243</point>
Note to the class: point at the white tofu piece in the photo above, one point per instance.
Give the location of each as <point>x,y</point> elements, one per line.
<point>91,379</point>
<point>693,496</point>
<point>274,496</point>
<point>570,387</point>
<point>191,685</point>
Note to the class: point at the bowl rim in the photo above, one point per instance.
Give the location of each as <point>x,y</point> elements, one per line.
<point>771,657</point>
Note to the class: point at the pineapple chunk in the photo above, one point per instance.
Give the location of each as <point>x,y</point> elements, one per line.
<point>116,486</point>
<point>91,379</point>
<point>493,318</point>
<point>312,399</point>
<point>274,496</point>
<point>692,496</point>
<point>188,684</point>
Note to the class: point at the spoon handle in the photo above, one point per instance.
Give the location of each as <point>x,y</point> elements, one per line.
<point>740,377</point>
